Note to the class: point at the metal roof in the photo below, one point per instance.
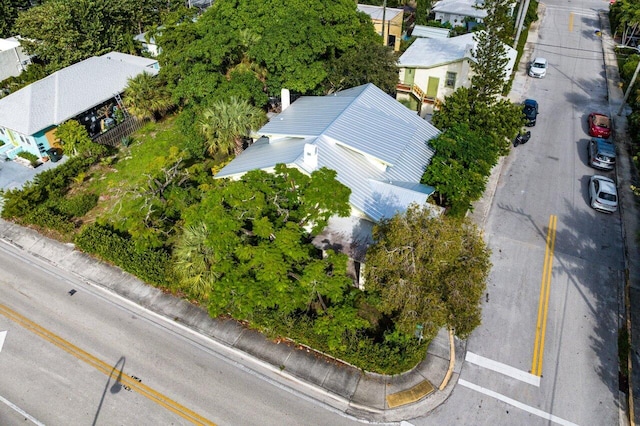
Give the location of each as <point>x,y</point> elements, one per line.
<point>377,146</point>
<point>431,52</point>
<point>430,32</point>
<point>461,8</point>
<point>70,91</point>
<point>376,12</point>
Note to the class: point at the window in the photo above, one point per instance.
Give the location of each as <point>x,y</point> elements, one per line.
<point>450,80</point>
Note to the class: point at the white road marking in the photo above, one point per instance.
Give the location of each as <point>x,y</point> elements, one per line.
<point>517,404</point>
<point>3,334</point>
<point>21,411</point>
<point>501,368</point>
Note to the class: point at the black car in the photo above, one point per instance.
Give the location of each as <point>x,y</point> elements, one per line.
<point>530,111</point>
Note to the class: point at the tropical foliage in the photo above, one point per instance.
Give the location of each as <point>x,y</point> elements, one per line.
<point>429,272</point>
<point>146,97</point>
<point>73,137</point>
<point>224,124</point>
<point>63,32</point>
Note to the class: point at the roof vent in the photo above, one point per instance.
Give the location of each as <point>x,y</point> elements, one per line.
<point>310,156</point>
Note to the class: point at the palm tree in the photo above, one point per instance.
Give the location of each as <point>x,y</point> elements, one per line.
<point>146,97</point>
<point>73,137</point>
<point>225,123</point>
<point>193,261</point>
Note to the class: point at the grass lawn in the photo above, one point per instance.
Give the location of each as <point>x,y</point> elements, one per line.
<point>127,172</point>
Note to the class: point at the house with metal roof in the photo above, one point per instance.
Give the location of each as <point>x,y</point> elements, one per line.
<point>377,146</point>
<point>387,22</point>
<point>29,116</point>
<point>433,68</point>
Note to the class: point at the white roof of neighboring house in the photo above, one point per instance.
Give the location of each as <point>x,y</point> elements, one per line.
<point>431,52</point>
<point>70,91</point>
<point>377,146</point>
<point>461,8</point>
<point>376,12</point>
<point>430,32</point>
<point>9,43</point>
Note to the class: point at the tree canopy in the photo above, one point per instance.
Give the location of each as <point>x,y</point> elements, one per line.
<point>63,32</point>
<point>270,49</point>
<point>246,245</point>
<point>429,271</point>
<point>9,13</point>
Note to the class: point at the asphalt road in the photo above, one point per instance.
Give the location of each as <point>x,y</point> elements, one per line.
<point>546,352</point>
<point>94,359</point>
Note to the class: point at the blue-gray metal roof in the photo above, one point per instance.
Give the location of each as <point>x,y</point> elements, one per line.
<point>377,146</point>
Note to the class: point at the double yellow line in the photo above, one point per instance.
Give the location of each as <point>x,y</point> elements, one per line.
<point>128,382</point>
<point>543,305</point>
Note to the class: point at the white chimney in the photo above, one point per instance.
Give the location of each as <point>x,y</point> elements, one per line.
<point>286,99</point>
<point>310,156</point>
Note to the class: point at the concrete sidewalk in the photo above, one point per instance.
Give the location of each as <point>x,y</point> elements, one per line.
<point>367,396</point>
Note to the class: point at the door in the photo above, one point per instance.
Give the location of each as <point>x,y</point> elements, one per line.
<point>432,88</point>
<point>409,75</point>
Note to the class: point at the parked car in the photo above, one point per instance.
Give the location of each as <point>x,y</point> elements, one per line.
<point>530,111</point>
<point>599,125</point>
<point>538,68</point>
<point>601,153</point>
<point>603,195</point>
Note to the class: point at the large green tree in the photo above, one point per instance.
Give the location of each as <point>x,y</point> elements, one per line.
<point>428,271</point>
<point>246,246</point>
<point>74,138</point>
<point>224,124</point>
<point>265,39</point>
<point>373,63</point>
<point>9,13</point>
<point>62,32</point>
<point>460,167</point>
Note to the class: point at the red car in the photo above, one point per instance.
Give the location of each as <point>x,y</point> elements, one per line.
<point>599,125</point>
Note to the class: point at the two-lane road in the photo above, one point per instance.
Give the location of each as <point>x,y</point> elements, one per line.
<point>93,358</point>
<point>546,352</point>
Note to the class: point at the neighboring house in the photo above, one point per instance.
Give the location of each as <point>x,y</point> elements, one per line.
<point>148,43</point>
<point>392,19</point>
<point>378,148</point>
<point>13,60</point>
<point>457,12</point>
<point>29,116</point>
<point>432,69</point>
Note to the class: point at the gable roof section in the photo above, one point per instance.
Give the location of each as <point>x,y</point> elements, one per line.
<point>430,32</point>
<point>377,146</point>
<point>432,52</point>
<point>461,8</point>
<point>376,12</point>
<point>68,92</point>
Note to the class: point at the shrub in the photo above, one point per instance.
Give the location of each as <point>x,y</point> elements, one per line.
<point>150,265</point>
<point>32,158</point>
<point>48,218</point>
<point>79,205</point>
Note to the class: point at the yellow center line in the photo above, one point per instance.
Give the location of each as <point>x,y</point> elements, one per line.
<point>543,304</point>
<point>105,368</point>
<point>571,22</point>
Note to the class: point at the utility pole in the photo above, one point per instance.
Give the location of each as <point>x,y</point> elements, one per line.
<point>520,23</point>
<point>384,13</point>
